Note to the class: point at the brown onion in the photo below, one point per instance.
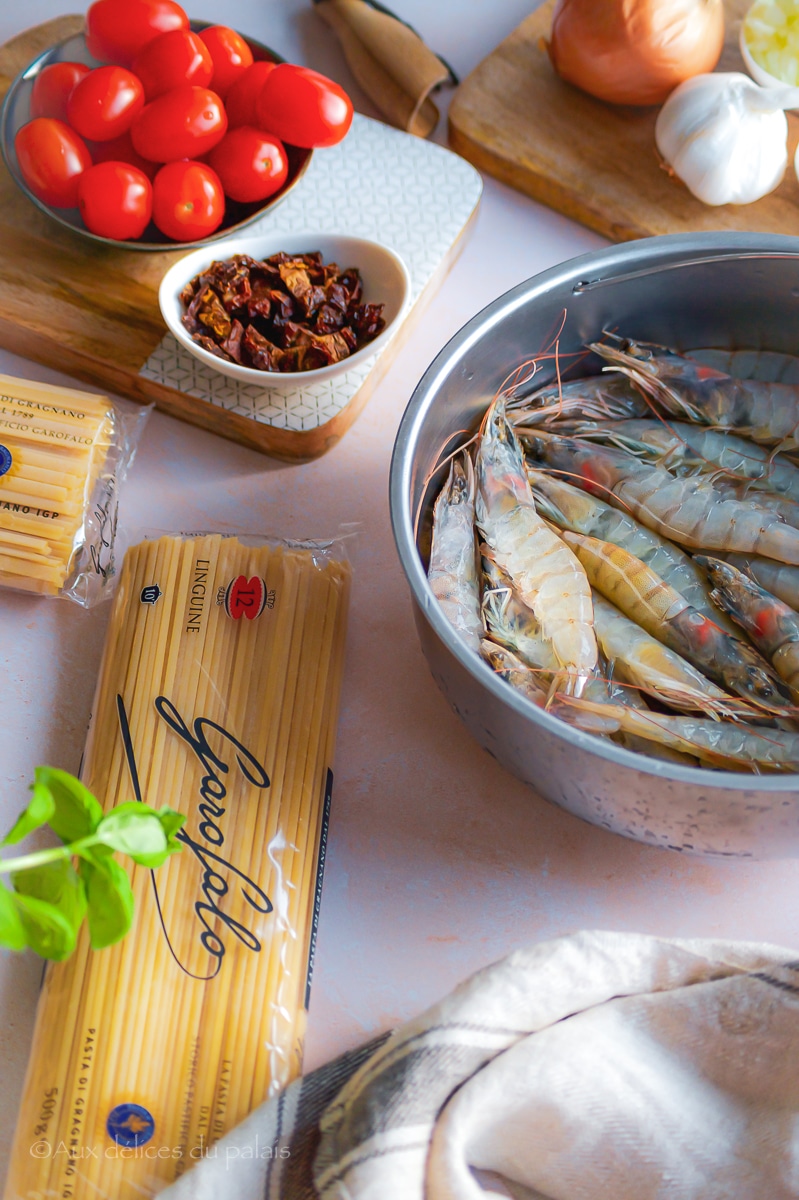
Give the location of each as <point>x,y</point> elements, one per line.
<point>635,51</point>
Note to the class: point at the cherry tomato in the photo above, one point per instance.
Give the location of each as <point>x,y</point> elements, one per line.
<point>121,149</point>
<point>116,30</point>
<point>184,123</point>
<point>188,201</point>
<point>52,86</point>
<point>172,59</point>
<point>115,200</point>
<point>105,103</point>
<point>304,108</point>
<point>252,165</point>
<point>230,54</point>
<point>241,99</point>
<point>51,158</point>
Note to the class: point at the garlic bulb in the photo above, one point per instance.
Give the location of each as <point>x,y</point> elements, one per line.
<point>725,137</point>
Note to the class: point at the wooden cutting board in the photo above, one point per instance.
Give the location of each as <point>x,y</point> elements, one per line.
<point>514,118</point>
<point>92,311</point>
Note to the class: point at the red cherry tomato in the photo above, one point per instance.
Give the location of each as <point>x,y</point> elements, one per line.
<point>188,201</point>
<point>115,200</point>
<point>252,165</point>
<point>121,149</point>
<point>172,59</point>
<point>230,54</point>
<point>105,103</point>
<point>241,99</point>
<point>184,123</point>
<point>304,108</point>
<point>51,158</point>
<point>116,30</point>
<point>52,86</point>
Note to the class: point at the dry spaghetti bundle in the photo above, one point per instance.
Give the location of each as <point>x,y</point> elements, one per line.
<point>218,695</point>
<point>53,444</point>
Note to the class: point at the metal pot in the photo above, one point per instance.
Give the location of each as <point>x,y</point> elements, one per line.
<point>725,290</point>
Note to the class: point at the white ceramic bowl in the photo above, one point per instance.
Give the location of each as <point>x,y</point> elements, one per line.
<point>758,73</point>
<point>385,281</point>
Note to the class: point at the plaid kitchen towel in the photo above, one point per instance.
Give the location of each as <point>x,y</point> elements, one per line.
<point>601,1066</point>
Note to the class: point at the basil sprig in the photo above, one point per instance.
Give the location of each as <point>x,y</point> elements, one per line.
<point>50,896</point>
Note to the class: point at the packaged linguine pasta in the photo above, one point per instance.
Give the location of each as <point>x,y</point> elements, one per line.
<point>218,695</point>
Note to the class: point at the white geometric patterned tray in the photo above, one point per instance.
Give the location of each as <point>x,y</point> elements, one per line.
<point>379,183</point>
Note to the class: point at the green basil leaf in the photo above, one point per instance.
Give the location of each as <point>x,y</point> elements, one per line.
<point>77,813</point>
<point>171,822</point>
<point>47,930</point>
<point>57,883</point>
<point>134,829</point>
<point>12,933</point>
<point>110,900</point>
<point>38,812</point>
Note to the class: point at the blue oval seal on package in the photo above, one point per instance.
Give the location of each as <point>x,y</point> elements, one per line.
<point>130,1125</point>
<point>5,459</point>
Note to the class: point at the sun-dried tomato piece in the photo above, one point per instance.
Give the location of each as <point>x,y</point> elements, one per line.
<point>210,345</point>
<point>232,343</point>
<point>367,320</point>
<point>212,314</point>
<point>264,356</point>
<point>329,319</point>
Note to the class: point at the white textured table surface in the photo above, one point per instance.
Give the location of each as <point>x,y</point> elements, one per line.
<point>438,860</point>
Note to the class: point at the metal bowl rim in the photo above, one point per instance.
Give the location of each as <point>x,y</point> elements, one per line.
<point>34,67</point>
<point>654,254</point>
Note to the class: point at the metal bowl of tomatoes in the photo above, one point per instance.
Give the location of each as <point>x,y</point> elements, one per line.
<point>17,112</point>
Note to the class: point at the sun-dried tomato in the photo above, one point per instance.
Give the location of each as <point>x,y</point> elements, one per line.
<point>290,312</point>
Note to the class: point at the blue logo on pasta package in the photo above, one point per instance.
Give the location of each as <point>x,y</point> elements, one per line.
<point>5,460</point>
<point>130,1125</point>
<point>151,594</point>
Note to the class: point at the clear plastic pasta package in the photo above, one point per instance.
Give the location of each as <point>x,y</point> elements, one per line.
<point>63,455</point>
<point>218,695</point>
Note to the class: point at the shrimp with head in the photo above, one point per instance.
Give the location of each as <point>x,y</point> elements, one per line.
<point>689,511</point>
<point>453,572</point>
<point>766,412</point>
<point>547,575</point>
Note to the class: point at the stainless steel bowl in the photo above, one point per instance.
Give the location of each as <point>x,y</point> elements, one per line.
<point>727,290</point>
<point>16,112</point>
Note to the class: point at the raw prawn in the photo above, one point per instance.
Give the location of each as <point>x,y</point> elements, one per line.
<point>547,575</point>
<point>720,743</point>
<point>772,625</point>
<point>452,573</point>
<point>691,449</point>
<point>645,662</point>
<point>571,508</point>
<point>659,609</point>
<point>765,412</point>
<point>689,511</point>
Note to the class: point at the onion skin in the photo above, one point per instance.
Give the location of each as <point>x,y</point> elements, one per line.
<point>635,51</point>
